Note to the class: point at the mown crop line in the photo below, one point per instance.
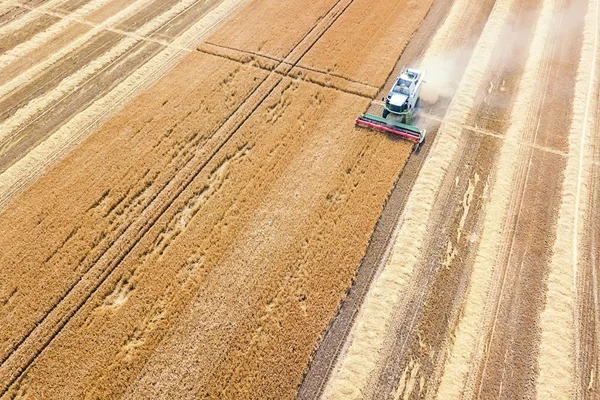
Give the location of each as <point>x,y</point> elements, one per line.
<point>37,69</point>
<point>47,35</point>
<point>17,23</point>
<point>18,123</point>
<point>523,174</point>
<point>102,28</point>
<point>33,105</point>
<point>14,137</point>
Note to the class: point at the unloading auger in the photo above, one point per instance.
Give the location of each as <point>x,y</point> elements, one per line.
<point>401,103</point>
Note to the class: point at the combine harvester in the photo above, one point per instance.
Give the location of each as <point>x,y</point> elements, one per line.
<point>401,103</point>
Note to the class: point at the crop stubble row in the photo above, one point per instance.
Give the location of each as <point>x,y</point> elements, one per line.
<point>210,245</point>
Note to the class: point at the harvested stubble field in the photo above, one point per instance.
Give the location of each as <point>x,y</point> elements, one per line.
<point>186,209</point>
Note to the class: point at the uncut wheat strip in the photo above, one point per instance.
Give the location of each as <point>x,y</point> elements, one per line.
<point>39,68</point>
<point>44,37</point>
<point>467,351</point>
<point>27,18</point>
<point>11,125</point>
<point>365,350</point>
<point>558,323</point>
<point>33,165</point>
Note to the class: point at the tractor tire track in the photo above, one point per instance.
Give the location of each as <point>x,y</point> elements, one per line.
<point>589,385</point>
<point>588,295</point>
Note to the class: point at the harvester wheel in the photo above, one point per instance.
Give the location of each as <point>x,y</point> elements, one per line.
<point>385,113</point>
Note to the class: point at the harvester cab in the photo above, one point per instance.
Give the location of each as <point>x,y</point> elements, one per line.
<point>399,106</point>
<point>404,96</point>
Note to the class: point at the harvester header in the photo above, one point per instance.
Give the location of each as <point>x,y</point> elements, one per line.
<point>400,105</point>
<point>408,132</point>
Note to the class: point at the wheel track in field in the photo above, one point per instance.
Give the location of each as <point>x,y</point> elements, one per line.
<point>307,74</point>
<point>160,202</point>
<point>585,231</point>
<point>584,238</point>
<point>589,303</point>
<point>563,320</point>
